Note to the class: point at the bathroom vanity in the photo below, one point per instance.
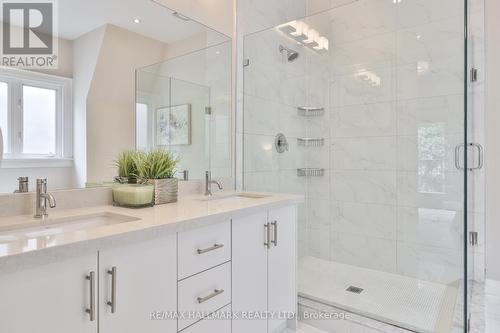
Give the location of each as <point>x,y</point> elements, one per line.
<point>162,269</point>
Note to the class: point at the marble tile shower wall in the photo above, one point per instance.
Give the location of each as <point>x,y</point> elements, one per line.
<point>392,84</point>
<point>396,118</point>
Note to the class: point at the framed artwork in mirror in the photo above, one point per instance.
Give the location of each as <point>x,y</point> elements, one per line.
<point>173,125</point>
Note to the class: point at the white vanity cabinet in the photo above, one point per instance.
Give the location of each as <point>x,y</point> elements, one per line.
<point>49,298</point>
<point>264,270</point>
<point>136,282</point>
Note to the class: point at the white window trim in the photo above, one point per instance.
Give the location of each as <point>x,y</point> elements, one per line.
<point>64,119</point>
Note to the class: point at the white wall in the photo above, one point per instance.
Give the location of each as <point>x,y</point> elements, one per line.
<point>492,140</point>
<point>86,52</point>
<point>111,98</point>
<point>216,14</point>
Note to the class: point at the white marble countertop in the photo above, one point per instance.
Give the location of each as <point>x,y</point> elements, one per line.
<point>189,213</point>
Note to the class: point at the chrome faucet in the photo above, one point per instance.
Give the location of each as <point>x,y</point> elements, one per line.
<point>209,182</point>
<point>41,199</point>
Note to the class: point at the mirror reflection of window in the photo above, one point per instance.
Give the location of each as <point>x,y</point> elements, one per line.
<point>431,152</point>
<point>142,125</point>
<point>4,115</point>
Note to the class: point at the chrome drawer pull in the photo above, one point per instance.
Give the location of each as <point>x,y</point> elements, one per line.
<point>215,247</point>
<point>212,295</point>
<point>91,310</point>
<point>112,303</point>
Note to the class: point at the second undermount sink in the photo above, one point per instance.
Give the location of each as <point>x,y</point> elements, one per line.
<point>233,196</point>
<point>51,227</point>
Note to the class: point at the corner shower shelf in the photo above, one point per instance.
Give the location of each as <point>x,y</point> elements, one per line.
<point>311,142</point>
<point>310,111</point>
<point>310,172</point>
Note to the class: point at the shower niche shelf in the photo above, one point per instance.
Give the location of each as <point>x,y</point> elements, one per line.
<point>310,172</point>
<point>310,111</point>
<point>311,142</point>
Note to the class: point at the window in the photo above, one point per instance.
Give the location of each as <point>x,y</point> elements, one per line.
<point>35,116</point>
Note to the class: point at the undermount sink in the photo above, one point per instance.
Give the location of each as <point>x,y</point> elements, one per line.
<point>234,196</point>
<point>51,227</point>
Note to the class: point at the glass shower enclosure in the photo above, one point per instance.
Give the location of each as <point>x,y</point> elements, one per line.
<point>361,109</point>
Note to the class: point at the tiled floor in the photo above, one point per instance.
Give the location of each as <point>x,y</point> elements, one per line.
<point>485,307</point>
<point>402,301</point>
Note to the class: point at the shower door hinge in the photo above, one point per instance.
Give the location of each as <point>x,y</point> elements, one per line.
<point>473,238</point>
<point>246,62</point>
<point>473,75</point>
<point>208,110</point>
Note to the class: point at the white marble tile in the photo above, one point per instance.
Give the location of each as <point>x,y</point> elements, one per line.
<point>261,181</point>
<point>377,119</point>
<point>431,151</point>
<point>362,19</point>
<point>318,213</point>
<point>431,42</point>
<point>259,153</point>
<point>430,263</point>
<point>289,182</point>
<point>369,252</point>
<point>364,86</point>
<point>447,111</point>
<point>364,219</point>
<point>368,153</point>
<point>319,242</point>
<point>377,51</point>
<point>261,115</point>
<point>431,227</point>
<point>421,12</point>
<point>428,79</point>
<point>364,186</point>
<point>441,191</point>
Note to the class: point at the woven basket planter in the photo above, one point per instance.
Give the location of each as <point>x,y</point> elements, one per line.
<point>166,190</point>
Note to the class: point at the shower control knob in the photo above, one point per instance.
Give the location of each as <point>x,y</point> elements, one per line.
<point>281,143</point>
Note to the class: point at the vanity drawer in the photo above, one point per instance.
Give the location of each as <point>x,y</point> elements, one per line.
<point>204,293</point>
<point>218,324</point>
<point>203,248</point>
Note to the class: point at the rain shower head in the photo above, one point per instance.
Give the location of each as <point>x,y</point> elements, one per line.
<point>291,55</point>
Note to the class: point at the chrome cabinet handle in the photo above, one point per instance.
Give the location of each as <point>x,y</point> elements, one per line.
<point>212,248</point>
<point>91,310</point>
<point>212,295</point>
<point>275,236</point>
<point>267,243</point>
<point>112,303</point>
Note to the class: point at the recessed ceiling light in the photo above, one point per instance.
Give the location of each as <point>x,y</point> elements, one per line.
<point>419,36</point>
<point>137,20</point>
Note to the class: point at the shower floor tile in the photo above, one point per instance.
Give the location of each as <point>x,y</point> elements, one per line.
<point>402,301</point>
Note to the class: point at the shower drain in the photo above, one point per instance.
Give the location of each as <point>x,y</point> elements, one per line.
<point>355,290</point>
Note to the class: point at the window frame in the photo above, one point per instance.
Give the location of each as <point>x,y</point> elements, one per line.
<point>16,79</point>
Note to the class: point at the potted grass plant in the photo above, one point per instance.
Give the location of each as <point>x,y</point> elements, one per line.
<point>127,166</point>
<point>157,168</point>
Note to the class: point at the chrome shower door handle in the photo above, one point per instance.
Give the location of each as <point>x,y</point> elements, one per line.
<point>480,152</point>
<point>112,303</point>
<point>91,309</point>
<point>457,156</point>
<point>480,156</point>
<point>275,233</point>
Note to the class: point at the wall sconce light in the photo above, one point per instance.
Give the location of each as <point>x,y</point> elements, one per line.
<point>304,35</point>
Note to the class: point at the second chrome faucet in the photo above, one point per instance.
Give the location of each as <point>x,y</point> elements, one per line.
<point>209,182</point>
<point>41,199</point>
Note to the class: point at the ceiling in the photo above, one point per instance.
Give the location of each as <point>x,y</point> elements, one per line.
<point>77,17</point>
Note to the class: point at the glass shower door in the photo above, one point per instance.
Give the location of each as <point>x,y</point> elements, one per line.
<point>370,97</point>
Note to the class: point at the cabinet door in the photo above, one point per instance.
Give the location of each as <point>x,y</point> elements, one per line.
<point>282,265</point>
<point>50,298</point>
<point>145,284</point>
<point>249,272</point>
